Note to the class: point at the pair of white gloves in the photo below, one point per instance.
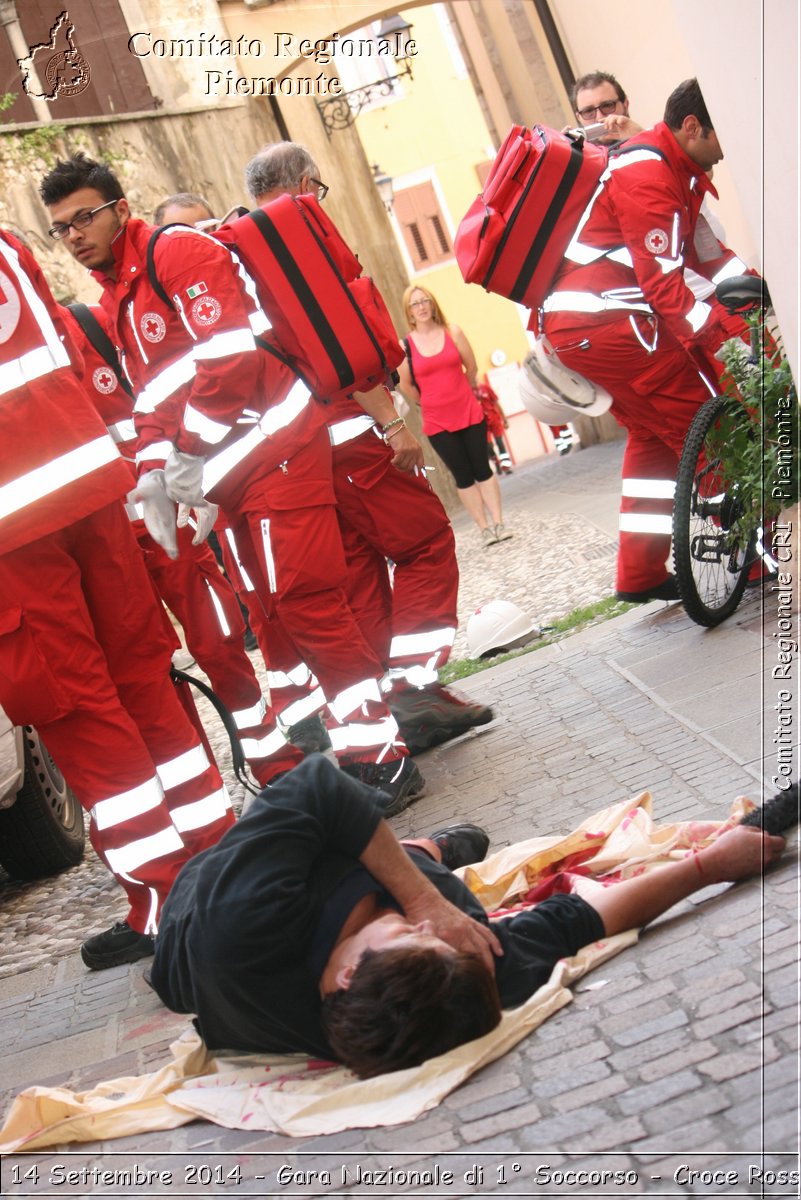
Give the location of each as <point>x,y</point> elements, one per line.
<point>181,483</point>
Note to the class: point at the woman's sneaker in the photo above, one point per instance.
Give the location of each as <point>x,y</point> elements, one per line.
<point>502,534</point>
<point>489,536</point>
<point>400,780</point>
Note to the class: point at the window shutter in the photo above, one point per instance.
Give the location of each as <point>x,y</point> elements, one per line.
<point>423,225</point>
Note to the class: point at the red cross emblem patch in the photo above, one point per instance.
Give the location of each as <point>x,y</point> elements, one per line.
<point>206,310</point>
<point>104,380</point>
<point>153,327</point>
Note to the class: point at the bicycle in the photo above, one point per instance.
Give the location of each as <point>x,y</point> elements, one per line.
<point>719,520</point>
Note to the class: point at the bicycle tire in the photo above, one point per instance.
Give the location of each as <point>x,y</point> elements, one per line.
<point>710,564</point>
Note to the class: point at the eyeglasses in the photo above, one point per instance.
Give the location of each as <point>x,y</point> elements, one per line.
<point>605,108</point>
<point>419,303</point>
<point>80,221</point>
<point>322,190</point>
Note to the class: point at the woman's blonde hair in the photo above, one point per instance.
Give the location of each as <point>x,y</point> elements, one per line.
<point>439,318</point>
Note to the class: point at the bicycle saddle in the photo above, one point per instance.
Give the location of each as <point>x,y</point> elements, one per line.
<point>742,291</point>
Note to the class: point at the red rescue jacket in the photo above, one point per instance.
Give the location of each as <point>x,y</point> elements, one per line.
<point>57,462</point>
<point>201,382</point>
<point>634,241</point>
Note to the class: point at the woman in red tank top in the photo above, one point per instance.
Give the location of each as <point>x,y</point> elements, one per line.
<point>439,374</point>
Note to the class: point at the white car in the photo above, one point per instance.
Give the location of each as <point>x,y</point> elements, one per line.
<point>41,822</point>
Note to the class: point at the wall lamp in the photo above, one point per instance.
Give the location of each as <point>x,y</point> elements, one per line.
<point>338,112</point>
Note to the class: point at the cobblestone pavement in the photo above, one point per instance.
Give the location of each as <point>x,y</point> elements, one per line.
<point>678,1055</point>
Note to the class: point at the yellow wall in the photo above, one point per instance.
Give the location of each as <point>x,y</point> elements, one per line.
<point>437,131</point>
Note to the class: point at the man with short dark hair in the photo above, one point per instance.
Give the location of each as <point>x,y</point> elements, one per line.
<point>621,312</point>
<point>310,929</point>
<point>598,98</point>
<point>216,413</point>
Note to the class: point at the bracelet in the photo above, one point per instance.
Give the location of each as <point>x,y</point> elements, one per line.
<point>398,421</point>
<point>389,436</point>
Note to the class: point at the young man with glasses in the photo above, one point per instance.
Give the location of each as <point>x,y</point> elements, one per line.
<point>216,413</point>
<point>598,99</point>
<point>387,510</point>
<point>623,314</point>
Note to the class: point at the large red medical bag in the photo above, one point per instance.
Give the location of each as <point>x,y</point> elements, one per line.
<point>513,237</point>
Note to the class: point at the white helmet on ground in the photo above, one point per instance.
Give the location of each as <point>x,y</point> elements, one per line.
<point>498,625</point>
<point>553,393</point>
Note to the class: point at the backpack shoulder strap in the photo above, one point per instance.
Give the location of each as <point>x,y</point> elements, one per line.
<point>407,346</point>
<point>152,274</point>
<point>102,343</point>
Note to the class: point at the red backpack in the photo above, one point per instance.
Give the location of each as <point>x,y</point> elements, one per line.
<point>513,237</point>
<point>329,322</point>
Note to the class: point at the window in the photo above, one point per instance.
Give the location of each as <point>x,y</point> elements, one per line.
<point>423,225</point>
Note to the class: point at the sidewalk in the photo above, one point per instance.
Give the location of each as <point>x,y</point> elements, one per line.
<point>682,1050</point>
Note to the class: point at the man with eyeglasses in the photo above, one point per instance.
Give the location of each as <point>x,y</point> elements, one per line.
<point>622,313</point>
<point>601,105</point>
<point>387,510</point>
<point>217,414</point>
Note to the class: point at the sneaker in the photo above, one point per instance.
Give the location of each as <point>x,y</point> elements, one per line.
<point>461,845</point>
<point>502,534</point>
<point>400,780</point>
<point>116,946</point>
<point>434,714</point>
<point>489,536</point>
<point>309,735</point>
<point>667,590</point>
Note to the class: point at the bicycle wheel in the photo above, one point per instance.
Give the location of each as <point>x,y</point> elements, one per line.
<point>711,559</point>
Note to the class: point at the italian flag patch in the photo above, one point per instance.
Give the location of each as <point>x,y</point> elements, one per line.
<point>197,289</point>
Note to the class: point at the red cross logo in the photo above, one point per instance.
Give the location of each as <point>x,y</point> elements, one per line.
<point>207,310</point>
<point>105,381</point>
<point>152,326</point>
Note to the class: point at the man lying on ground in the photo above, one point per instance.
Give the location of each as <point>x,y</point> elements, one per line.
<point>309,928</point>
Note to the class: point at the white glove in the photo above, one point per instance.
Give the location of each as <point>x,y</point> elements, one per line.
<point>183,477</point>
<point>205,516</point>
<point>158,511</point>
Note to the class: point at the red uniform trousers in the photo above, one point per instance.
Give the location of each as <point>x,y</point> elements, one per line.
<point>85,658</point>
<point>194,588</point>
<point>384,513</point>
<point>655,397</point>
<point>291,567</point>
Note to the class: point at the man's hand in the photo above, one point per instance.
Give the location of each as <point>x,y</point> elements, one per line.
<point>738,854</point>
<point>620,126</point>
<point>158,511</point>
<point>456,928</point>
<point>205,516</point>
<point>407,451</point>
<point>183,477</point>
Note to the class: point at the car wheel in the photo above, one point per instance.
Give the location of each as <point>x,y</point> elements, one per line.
<point>42,832</point>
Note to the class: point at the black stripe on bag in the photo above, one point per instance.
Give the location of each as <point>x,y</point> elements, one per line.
<point>306,296</point>
<point>101,342</point>
<point>237,754</point>
<point>548,223</point>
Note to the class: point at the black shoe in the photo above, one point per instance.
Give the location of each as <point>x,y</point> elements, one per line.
<point>461,845</point>
<point>309,735</point>
<point>434,714</point>
<point>250,641</point>
<point>668,590</point>
<point>117,945</point>
<point>778,814</point>
<point>400,780</point>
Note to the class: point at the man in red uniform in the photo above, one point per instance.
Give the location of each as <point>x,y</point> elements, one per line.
<point>191,585</point>
<point>621,313</point>
<point>387,510</point>
<point>216,415</point>
<point>83,651</point>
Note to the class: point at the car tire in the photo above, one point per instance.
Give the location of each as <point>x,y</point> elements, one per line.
<point>43,830</point>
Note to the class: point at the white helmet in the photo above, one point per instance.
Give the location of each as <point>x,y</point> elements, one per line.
<point>498,625</point>
<point>553,393</point>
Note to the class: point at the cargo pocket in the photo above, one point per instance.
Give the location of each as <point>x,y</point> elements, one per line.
<point>29,691</point>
